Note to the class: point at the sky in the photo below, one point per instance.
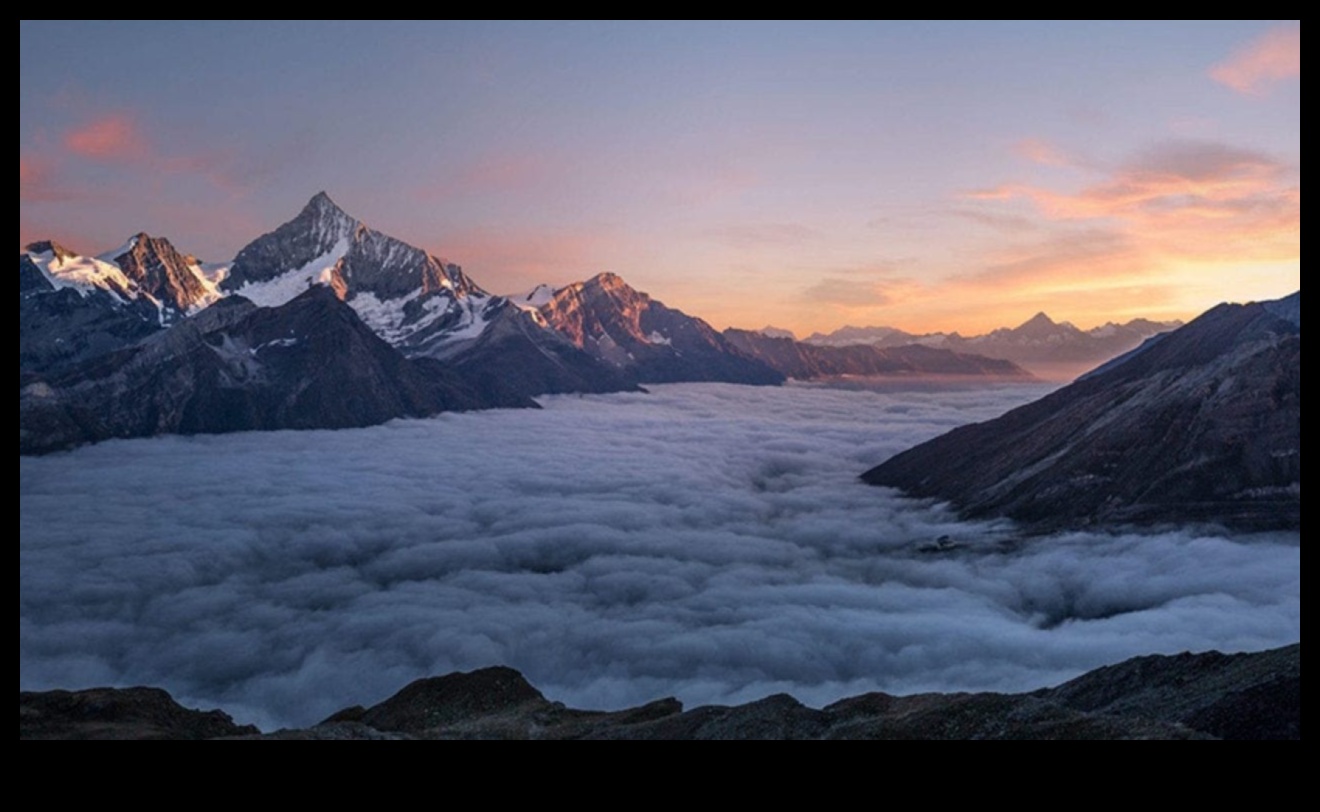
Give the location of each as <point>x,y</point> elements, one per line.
<point>705,541</point>
<point>922,175</point>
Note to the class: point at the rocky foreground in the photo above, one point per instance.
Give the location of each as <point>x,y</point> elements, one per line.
<point>1186,696</point>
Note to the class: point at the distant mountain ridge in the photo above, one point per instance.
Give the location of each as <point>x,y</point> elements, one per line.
<point>1039,343</point>
<point>632,332</point>
<point>803,361</point>
<point>1199,424</point>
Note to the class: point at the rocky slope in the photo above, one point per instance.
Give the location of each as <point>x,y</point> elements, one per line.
<point>802,361</point>
<point>1187,696</point>
<point>1200,424</point>
<point>644,340</point>
<point>310,363</point>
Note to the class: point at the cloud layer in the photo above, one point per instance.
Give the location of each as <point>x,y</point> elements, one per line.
<point>706,541</point>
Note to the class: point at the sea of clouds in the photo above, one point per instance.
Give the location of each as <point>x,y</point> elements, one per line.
<point>706,541</point>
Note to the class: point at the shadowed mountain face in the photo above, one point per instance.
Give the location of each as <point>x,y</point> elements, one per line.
<point>61,327</point>
<point>796,359</point>
<point>646,341</point>
<point>1187,696</point>
<point>308,364</point>
<point>1200,424</point>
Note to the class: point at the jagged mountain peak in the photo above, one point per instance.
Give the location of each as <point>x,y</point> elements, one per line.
<point>49,247</point>
<point>321,207</point>
<point>607,281</point>
<point>1037,321</point>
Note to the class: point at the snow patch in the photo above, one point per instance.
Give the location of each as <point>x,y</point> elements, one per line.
<point>287,286</point>
<point>85,274</point>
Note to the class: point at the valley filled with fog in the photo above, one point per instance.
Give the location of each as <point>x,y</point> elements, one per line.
<point>706,541</point>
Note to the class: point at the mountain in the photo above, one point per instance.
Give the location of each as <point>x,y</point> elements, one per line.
<point>410,298</point>
<point>1042,345</point>
<point>645,340</point>
<point>309,363</point>
<point>777,332</point>
<point>62,324</point>
<point>424,306</point>
<point>1201,424</point>
<point>1255,696</point>
<point>518,353</point>
<point>174,280</point>
<point>803,361</point>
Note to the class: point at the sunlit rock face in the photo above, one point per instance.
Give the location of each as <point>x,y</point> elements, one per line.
<point>629,330</point>
<point>1200,424</point>
<point>170,277</point>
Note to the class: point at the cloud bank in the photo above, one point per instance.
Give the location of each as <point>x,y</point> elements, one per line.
<point>705,541</point>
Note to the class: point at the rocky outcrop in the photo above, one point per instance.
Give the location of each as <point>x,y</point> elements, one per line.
<point>646,341</point>
<point>118,713</point>
<point>1202,424</point>
<point>796,359</point>
<point>308,364</point>
<point>1187,696</point>
<point>171,278</point>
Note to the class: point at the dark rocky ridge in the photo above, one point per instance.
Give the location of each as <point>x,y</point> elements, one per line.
<point>118,713</point>
<point>1187,696</point>
<point>645,340</point>
<point>310,363</point>
<point>802,361</point>
<point>1202,424</point>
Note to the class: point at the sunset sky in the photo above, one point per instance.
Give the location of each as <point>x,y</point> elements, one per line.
<point>928,176</point>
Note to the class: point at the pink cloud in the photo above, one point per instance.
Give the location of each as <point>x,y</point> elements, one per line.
<point>113,137</point>
<point>1039,151</point>
<point>1272,57</point>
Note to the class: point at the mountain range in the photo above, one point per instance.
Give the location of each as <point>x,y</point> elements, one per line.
<point>1202,423</point>
<point>121,345</point>
<point>1042,345</point>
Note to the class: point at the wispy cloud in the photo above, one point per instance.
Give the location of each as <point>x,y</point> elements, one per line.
<point>1040,151</point>
<point>1273,57</point>
<point>111,138</point>
<point>1189,197</point>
